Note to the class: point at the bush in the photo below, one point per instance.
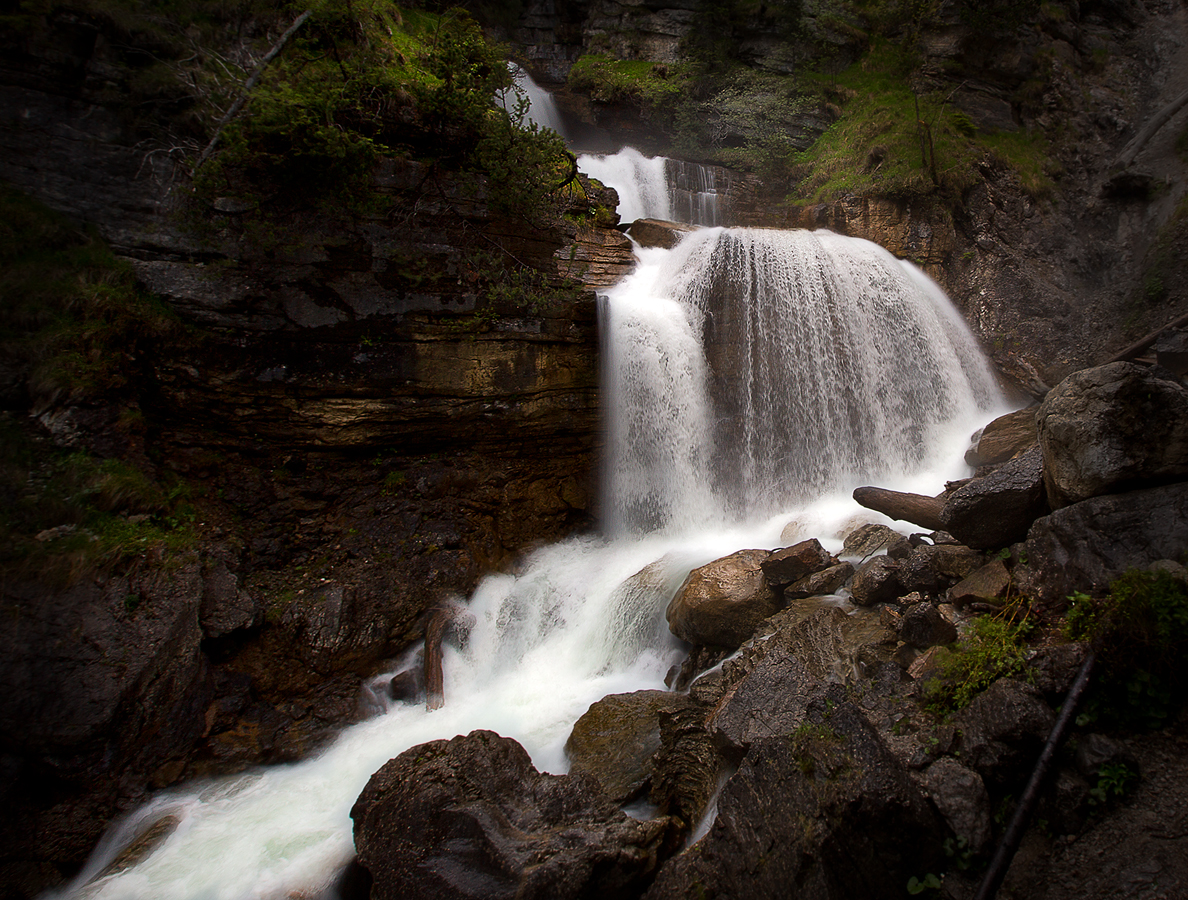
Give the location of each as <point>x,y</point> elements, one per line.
<point>994,648</point>
<point>1140,633</point>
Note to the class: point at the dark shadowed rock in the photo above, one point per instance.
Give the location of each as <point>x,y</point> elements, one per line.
<point>1054,669</point>
<point>1004,438</point>
<point>721,603</point>
<point>615,740</point>
<point>1086,546</point>
<point>472,818</point>
<point>686,768</point>
<point>997,510</point>
<point>876,581</point>
<point>827,581</point>
<point>1112,428</point>
<point>923,626</point>
<point>795,562</point>
<point>771,700</point>
<point>827,809</point>
<point>960,796</point>
<point>225,607</point>
<point>988,584</point>
<point>914,508</point>
<point>1003,730</point>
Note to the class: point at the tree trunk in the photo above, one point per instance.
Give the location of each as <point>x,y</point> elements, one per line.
<point>914,508</point>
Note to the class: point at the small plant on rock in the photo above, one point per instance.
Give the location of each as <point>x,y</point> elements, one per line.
<point>994,648</point>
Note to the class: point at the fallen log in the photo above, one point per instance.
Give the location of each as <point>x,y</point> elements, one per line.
<point>914,508</point>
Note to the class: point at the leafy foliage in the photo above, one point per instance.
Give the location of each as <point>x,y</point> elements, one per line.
<point>994,648</point>
<point>1140,631</point>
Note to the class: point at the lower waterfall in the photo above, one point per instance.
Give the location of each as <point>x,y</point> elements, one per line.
<point>753,378</point>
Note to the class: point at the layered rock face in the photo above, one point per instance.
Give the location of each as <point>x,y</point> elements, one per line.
<point>369,424</point>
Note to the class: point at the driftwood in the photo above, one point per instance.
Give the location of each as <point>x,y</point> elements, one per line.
<point>914,508</point>
<point>1139,346</point>
<point>1131,151</point>
<point>446,618</point>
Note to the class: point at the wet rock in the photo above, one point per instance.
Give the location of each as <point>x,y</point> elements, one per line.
<point>471,817</point>
<point>960,796</point>
<point>657,232</point>
<point>771,700</point>
<point>988,584</point>
<point>686,768</point>
<point>827,809</point>
<point>408,686</point>
<point>917,572</point>
<point>1002,731</point>
<point>795,562</point>
<point>876,581</point>
<point>827,581</point>
<point>923,626</point>
<point>1094,751</point>
<point>1004,438</point>
<point>997,510</point>
<point>1086,546</point>
<point>615,740</point>
<point>1112,428</point>
<point>1054,669</point>
<point>722,603</point>
<point>226,607</point>
<point>868,539</point>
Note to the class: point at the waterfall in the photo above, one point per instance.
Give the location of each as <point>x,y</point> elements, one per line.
<point>656,187</point>
<point>752,379</point>
<point>542,109</point>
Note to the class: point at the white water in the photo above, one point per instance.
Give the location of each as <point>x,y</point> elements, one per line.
<point>854,369</point>
<point>542,108</point>
<point>836,365</point>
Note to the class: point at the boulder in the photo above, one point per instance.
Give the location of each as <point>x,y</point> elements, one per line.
<point>998,509</point>
<point>771,700</point>
<point>685,770</point>
<point>960,796</point>
<point>225,606</point>
<point>914,508</point>
<point>876,581</point>
<point>721,603</point>
<point>989,584</point>
<point>657,232</point>
<point>615,740</point>
<point>1004,438</point>
<point>868,539</point>
<point>795,562</point>
<point>934,567</point>
<point>1002,731</point>
<point>1112,428</point>
<point>826,809</point>
<point>1086,546</point>
<point>923,626</point>
<point>472,818</point>
<point>827,581</point>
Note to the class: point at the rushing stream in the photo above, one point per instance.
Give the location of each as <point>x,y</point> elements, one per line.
<point>752,379</point>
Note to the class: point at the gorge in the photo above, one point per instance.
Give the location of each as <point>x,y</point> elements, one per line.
<point>348,409</point>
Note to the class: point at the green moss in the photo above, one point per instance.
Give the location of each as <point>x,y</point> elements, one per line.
<point>889,139</point>
<point>609,80</point>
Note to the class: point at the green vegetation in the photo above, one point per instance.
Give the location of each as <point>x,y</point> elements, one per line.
<point>994,648</point>
<point>895,141</point>
<point>651,85</point>
<point>71,315</point>
<point>75,329</point>
<point>1140,632</point>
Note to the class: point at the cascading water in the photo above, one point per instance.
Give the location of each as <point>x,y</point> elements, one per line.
<point>656,187</point>
<point>752,378</point>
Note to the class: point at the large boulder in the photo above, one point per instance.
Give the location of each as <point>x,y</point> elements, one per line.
<point>824,812</point>
<point>1004,438</point>
<point>722,603</point>
<point>997,510</point>
<point>795,562</point>
<point>876,581</point>
<point>615,740</point>
<point>472,818</point>
<point>1086,546</point>
<point>1112,428</point>
<point>1002,731</point>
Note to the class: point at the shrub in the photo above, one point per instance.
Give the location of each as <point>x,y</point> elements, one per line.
<point>995,647</point>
